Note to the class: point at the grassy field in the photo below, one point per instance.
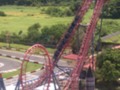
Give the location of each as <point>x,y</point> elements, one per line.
<point>21,17</point>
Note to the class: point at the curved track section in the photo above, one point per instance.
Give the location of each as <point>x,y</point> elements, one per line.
<point>47,68</point>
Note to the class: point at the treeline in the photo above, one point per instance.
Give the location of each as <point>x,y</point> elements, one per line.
<point>48,36</point>
<point>111,9</point>
<point>38,2</point>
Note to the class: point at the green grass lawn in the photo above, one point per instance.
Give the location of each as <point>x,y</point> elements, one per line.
<point>20,18</point>
<point>30,67</point>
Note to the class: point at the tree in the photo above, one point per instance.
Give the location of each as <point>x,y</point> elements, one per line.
<point>33,33</point>
<point>23,2</point>
<point>74,7</point>
<point>51,35</point>
<point>54,11</point>
<point>112,9</point>
<point>108,63</point>
<point>4,2</point>
<point>2,13</point>
<point>3,36</point>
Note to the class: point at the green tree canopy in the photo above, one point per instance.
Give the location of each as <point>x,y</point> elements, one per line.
<point>33,33</point>
<point>108,63</point>
<point>112,9</point>
<point>51,35</point>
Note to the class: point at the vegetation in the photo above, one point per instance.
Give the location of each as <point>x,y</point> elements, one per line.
<point>38,2</point>
<point>110,26</point>
<point>108,63</point>
<point>58,12</point>
<point>2,13</point>
<point>19,18</point>
<point>52,35</point>
<point>47,35</point>
<point>21,32</point>
<point>33,33</point>
<point>112,10</point>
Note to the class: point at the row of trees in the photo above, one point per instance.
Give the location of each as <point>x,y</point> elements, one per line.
<point>111,9</point>
<point>48,36</point>
<point>67,11</point>
<point>37,2</point>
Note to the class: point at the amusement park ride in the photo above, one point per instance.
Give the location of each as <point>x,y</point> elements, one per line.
<point>48,77</point>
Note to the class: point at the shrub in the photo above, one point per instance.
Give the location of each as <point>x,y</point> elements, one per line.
<point>2,13</point>
<point>58,12</point>
<point>53,11</point>
<point>51,35</point>
<point>112,9</point>
<point>108,63</point>
<point>68,12</point>
<point>109,26</point>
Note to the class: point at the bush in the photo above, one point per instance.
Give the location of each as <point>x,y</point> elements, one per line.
<point>108,63</point>
<point>109,26</point>
<point>33,33</point>
<point>23,2</point>
<point>112,9</point>
<point>51,35</point>
<point>68,12</point>
<point>57,12</point>
<point>2,13</point>
<point>53,11</point>
<point>74,7</point>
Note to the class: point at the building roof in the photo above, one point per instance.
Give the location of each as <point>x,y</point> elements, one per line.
<point>74,57</point>
<point>71,56</point>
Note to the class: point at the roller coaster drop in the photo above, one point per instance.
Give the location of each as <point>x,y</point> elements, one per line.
<point>48,76</point>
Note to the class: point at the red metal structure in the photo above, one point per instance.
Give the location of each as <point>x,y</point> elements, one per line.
<point>73,81</point>
<point>47,69</point>
<point>49,76</point>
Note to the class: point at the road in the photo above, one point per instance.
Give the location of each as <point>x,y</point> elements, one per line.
<point>8,65</point>
<point>33,58</point>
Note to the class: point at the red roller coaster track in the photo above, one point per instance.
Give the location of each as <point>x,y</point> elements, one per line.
<point>47,68</point>
<point>48,76</point>
<point>85,46</point>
